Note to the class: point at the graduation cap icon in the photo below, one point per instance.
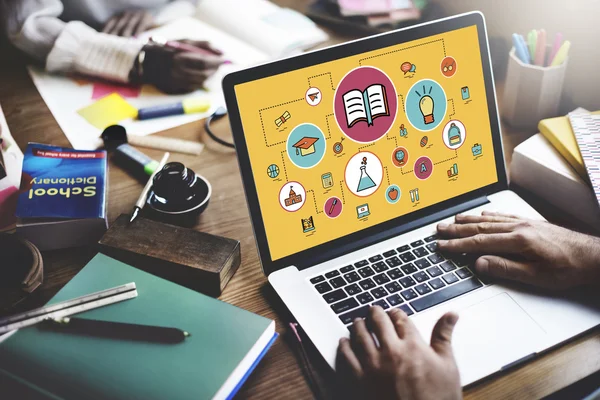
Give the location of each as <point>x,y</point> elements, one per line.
<point>305,146</point>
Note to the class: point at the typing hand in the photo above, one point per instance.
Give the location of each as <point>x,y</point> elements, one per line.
<point>403,366</point>
<point>129,23</point>
<point>533,252</point>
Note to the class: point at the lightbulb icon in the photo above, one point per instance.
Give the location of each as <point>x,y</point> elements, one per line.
<point>426,107</point>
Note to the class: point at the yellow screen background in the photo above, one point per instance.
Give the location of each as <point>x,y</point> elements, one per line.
<point>262,101</point>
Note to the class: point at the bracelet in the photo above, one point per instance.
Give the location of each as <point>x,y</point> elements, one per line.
<point>136,76</point>
<point>140,64</point>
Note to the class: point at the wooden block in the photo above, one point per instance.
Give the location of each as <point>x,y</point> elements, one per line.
<point>196,260</point>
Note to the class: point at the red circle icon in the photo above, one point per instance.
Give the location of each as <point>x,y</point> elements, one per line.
<point>400,157</point>
<point>448,66</point>
<point>333,207</point>
<point>423,168</point>
<point>365,104</point>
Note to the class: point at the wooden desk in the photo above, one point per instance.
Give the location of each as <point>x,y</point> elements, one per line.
<point>279,373</point>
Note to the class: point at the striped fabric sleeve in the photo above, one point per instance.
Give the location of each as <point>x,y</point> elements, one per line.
<point>81,49</point>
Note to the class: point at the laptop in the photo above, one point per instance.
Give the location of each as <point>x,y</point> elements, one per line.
<point>405,125</point>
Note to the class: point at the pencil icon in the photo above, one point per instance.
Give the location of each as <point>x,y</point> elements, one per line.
<point>333,204</point>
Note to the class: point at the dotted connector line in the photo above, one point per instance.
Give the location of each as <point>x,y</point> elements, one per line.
<point>365,146</point>
<point>342,188</point>
<point>284,167</point>
<point>262,124</point>
<point>395,138</point>
<point>387,174</point>
<point>449,159</point>
<point>326,73</point>
<point>407,172</point>
<point>405,48</point>
<point>453,109</point>
<point>328,127</point>
<point>315,201</point>
<point>282,104</point>
<point>402,97</point>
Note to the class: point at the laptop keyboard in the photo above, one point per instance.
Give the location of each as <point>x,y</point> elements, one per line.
<point>413,277</point>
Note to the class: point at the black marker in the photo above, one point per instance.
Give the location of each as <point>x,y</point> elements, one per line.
<point>118,330</point>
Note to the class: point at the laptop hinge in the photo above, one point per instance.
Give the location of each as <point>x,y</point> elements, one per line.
<point>388,234</point>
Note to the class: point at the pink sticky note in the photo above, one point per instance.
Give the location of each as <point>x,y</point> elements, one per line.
<point>102,89</point>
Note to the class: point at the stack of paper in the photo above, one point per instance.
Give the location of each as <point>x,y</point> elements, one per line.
<point>558,132</point>
<point>539,168</point>
<point>586,128</point>
<point>380,12</point>
<point>267,27</point>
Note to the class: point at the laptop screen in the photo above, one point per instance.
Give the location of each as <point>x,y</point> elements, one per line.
<point>342,146</point>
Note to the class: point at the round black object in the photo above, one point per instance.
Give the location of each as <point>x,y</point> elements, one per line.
<point>178,196</point>
<point>114,136</point>
<point>22,265</point>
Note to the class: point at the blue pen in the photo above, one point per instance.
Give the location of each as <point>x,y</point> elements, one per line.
<point>520,48</point>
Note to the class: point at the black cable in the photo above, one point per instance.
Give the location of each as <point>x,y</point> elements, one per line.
<point>306,365</point>
<point>218,114</point>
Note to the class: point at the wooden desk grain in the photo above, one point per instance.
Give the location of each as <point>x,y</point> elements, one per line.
<point>279,373</point>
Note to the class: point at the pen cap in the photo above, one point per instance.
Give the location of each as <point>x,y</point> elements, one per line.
<point>113,136</point>
<point>195,105</point>
<point>531,92</point>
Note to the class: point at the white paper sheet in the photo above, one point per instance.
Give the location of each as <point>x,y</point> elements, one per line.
<point>64,96</point>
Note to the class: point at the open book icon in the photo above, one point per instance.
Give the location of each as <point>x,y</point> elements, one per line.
<point>365,106</point>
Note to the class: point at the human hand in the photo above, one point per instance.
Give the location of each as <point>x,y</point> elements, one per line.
<point>178,71</point>
<point>403,366</point>
<point>528,251</point>
<point>129,23</point>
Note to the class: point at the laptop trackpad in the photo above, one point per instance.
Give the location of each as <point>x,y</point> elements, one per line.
<point>492,334</point>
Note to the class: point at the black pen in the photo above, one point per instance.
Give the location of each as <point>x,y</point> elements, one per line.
<point>117,330</point>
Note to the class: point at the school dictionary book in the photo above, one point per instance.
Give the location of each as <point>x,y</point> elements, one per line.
<point>63,197</point>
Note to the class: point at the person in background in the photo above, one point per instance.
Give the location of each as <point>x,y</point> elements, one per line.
<point>96,38</point>
<point>403,366</point>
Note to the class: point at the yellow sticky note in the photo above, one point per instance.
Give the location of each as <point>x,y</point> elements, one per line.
<point>107,111</point>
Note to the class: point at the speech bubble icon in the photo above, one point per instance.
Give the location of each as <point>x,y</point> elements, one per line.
<point>405,67</point>
<point>413,68</point>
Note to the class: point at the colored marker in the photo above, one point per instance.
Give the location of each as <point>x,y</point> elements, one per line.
<point>520,48</point>
<point>555,46</point>
<point>187,106</point>
<point>115,140</point>
<point>134,160</point>
<point>540,49</point>
<point>531,43</point>
<point>561,54</point>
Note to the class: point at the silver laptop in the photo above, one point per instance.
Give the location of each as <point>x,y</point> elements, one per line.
<point>352,154</point>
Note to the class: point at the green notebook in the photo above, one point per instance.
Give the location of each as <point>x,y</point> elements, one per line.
<point>226,343</point>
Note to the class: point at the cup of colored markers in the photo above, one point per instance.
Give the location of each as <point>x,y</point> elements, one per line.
<point>534,80</point>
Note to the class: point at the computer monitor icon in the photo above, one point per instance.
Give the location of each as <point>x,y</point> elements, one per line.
<point>363,211</point>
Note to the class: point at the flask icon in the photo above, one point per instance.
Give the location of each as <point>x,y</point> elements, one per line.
<point>365,182</point>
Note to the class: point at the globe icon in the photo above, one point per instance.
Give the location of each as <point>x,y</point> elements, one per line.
<point>399,155</point>
<point>273,171</point>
